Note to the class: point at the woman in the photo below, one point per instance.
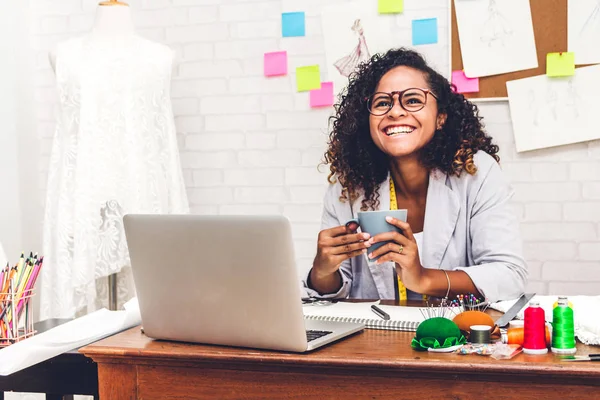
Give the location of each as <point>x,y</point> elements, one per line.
<point>400,126</point>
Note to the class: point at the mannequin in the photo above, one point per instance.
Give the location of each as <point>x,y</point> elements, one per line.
<point>114,152</point>
<point>113,20</point>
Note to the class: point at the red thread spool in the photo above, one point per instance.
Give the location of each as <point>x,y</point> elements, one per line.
<point>534,332</point>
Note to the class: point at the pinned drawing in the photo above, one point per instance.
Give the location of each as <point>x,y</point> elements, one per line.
<point>496,36</point>
<point>534,107</point>
<point>553,107</point>
<point>497,28</point>
<point>592,23</point>
<point>572,100</point>
<point>544,109</point>
<point>552,102</point>
<point>548,112</point>
<point>583,24</point>
<point>352,34</point>
<point>346,65</point>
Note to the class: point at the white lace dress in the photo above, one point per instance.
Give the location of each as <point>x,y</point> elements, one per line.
<point>114,152</point>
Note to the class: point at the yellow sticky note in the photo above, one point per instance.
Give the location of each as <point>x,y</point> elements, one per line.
<point>308,78</point>
<point>560,64</point>
<point>390,6</point>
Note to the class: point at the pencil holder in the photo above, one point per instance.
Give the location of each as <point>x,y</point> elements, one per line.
<point>16,316</point>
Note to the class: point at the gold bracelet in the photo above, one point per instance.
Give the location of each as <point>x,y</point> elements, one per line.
<point>448,279</point>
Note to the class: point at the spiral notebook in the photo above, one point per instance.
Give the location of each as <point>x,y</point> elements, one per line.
<point>401,318</point>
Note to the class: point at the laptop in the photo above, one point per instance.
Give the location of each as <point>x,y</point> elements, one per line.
<point>224,280</point>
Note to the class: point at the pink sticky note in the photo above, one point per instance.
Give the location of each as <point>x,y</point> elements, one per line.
<point>464,84</point>
<point>322,97</point>
<point>276,63</point>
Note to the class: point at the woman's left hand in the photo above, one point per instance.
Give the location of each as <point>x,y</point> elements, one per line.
<point>403,250</point>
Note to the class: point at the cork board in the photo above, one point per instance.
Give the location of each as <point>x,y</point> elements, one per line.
<point>550,31</point>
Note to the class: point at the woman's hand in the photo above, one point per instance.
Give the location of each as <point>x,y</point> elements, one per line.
<point>336,245</point>
<point>402,249</point>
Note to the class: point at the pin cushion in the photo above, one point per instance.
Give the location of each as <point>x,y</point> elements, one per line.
<point>466,319</point>
<point>437,333</point>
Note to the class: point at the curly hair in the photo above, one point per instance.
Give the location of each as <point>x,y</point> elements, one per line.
<point>360,166</point>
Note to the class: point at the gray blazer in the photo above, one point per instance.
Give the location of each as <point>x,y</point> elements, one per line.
<point>469,225</point>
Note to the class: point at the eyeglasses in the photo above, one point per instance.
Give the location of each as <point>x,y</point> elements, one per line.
<point>411,100</point>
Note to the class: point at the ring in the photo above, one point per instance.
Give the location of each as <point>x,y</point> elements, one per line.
<point>400,249</point>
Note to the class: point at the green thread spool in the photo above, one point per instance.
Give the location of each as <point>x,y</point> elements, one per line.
<point>560,298</point>
<point>563,328</point>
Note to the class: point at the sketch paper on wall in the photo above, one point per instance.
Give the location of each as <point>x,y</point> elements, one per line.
<point>353,33</point>
<point>548,112</point>
<point>496,36</point>
<point>584,30</point>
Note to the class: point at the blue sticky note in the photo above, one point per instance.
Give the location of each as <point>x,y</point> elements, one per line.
<point>292,24</point>
<point>424,31</point>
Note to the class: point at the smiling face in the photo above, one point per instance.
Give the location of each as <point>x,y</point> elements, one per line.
<point>400,133</point>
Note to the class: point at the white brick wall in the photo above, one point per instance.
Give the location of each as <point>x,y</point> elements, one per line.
<point>251,145</point>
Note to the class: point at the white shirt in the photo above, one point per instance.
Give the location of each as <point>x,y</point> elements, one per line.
<point>419,239</point>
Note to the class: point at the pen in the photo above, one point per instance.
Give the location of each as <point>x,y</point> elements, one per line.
<point>589,357</point>
<point>380,312</point>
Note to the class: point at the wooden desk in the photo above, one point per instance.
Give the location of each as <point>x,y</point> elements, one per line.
<point>374,364</point>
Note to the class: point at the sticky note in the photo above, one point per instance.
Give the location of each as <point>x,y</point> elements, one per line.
<point>390,6</point>
<point>464,84</point>
<point>424,31</point>
<point>292,24</point>
<point>560,64</point>
<point>275,63</point>
<point>308,78</point>
<point>322,97</point>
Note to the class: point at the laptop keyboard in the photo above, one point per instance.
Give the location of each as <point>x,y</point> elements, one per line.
<point>314,334</point>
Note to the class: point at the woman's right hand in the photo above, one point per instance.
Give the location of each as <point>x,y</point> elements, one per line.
<point>336,245</point>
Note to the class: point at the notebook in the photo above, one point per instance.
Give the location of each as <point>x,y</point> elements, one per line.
<point>401,318</point>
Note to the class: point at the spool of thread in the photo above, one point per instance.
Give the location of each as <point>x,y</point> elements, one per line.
<point>516,335</point>
<point>516,323</point>
<point>559,299</point>
<point>480,334</point>
<point>563,328</point>
<point>534,332</point>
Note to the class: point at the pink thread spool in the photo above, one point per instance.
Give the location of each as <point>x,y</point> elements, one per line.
<point>534,335</point>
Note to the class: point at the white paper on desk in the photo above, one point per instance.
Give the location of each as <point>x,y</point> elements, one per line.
<point>72,335</point>
<point>548,112</point>
<point>496,36</point>
<point>584,30</point>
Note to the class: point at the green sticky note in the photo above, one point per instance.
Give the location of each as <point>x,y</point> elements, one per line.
<point>560,64</point>
<point>308,78</point>
<point>390,6</point>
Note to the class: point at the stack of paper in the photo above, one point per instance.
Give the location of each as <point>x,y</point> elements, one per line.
<point>67,337</point>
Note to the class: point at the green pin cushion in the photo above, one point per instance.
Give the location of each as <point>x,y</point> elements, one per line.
<point>437,333</point>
